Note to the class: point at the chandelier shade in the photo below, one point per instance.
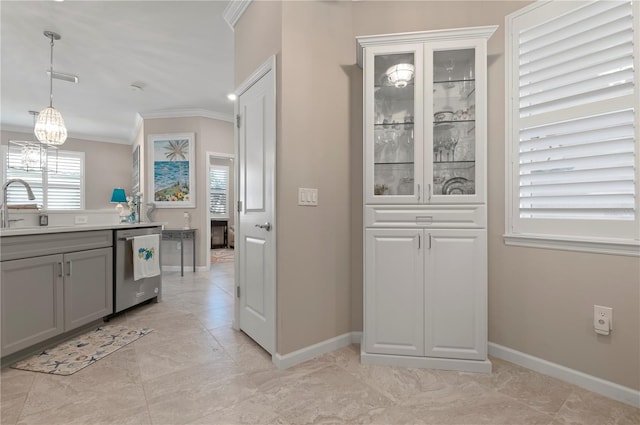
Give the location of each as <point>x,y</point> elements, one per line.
<point>399,75</point>
<point>50,128</point>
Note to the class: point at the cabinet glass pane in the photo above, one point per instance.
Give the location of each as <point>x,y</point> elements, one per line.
<point>454,139</point>
<point>393,124</point>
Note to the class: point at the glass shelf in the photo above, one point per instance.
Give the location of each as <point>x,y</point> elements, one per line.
<point>388,163</point>
<point>391,124</point>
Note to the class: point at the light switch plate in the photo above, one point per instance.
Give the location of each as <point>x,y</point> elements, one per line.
<point>307,197</point>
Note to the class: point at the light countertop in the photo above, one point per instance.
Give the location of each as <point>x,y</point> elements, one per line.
<point>36,230</point>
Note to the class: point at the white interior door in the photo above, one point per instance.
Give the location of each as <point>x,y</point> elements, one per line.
<point>256,236</point>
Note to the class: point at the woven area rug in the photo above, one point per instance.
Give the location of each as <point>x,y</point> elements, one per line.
<point>71,356</point>
<point>222,255</point>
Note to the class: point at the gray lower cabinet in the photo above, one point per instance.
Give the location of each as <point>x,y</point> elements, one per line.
<point>88,286</point>
<point>32,301</point>
<point>46,295</point>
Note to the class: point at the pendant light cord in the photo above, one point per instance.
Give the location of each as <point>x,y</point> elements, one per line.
<point>51,76</point>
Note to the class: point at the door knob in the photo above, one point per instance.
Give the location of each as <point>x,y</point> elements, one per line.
<point>266,226</point>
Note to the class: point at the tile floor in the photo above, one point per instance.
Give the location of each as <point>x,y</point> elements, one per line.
<point>194,369</point>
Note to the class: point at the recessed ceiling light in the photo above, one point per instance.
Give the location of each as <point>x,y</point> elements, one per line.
<point>232,96</point>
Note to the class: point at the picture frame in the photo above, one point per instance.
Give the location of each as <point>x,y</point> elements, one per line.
<point>135,175</point>
<point>172,170</point>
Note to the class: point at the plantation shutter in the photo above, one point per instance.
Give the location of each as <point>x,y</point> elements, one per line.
<point>576,115</point>
<point>218,188</point>
<point>16,193</point>
<point>64,180</point>
<point>59,187</point>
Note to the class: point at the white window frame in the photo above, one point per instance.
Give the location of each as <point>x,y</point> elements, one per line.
<point>608,237</point>
<point>225,168</point>
<point>45,178</point>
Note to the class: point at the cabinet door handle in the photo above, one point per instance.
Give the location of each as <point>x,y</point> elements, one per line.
<point>419,242</point>
<point>418,192</point>
<point>61,266</point>
<point>429,240</point>
<point>429,191</point>
<point>68,268</point>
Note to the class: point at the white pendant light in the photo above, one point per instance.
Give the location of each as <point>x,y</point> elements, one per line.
<point>399,75</point>
<point>50,128</point>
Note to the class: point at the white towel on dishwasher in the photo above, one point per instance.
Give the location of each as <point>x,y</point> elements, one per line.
<point>146,256</point>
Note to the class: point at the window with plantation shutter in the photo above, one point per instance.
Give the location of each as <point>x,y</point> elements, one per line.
<point>218,189</point>
<point>572,126</point>
<point>58,187</point>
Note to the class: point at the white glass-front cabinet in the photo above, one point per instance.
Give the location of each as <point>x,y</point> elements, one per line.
<point>425,272</point>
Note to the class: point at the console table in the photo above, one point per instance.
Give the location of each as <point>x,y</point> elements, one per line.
<point>181,235</point>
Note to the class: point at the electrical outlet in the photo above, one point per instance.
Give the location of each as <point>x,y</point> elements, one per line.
<point>602,319</point>
<point>81,219</point>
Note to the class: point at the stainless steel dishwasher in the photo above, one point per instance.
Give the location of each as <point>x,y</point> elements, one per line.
<point>126,291</point>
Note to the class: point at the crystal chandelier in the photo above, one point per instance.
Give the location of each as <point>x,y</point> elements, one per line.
<point>50,128</point>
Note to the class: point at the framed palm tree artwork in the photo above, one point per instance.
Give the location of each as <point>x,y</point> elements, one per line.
<point>172,167</point>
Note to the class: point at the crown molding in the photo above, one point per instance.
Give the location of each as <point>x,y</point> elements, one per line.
<point>71,135</point>
<point>136,128</point>
<point>484,32</point>
<point>140,117</point>
<point>186,113</point>
<point>234,10</point>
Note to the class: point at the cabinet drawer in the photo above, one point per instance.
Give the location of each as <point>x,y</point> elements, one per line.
<point>432,216</point>
<point>27,246</point>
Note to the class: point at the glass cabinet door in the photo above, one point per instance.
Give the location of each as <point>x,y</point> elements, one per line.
<point>454,125</point>
<point>393,130</point>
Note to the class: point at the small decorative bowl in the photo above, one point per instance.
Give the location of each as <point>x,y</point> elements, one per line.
<point>443,116</point>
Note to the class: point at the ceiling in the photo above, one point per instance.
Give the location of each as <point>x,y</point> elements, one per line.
<point>179,52</point>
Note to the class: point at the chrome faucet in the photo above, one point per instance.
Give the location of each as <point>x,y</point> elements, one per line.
<point>5,208</point>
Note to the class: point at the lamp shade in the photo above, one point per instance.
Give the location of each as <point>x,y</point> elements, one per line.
<point>399,75</point>
<point>49,128</point>
<point>118,196</point>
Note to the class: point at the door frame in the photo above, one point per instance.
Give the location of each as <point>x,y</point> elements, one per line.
<point>232,210</point>
<point>262,70</point>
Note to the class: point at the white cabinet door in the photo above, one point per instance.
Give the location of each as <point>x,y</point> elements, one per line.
<point>456,294</point>
<point>394,292</point>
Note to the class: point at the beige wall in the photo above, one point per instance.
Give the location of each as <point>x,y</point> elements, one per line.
<point>257,36</point>
<point>540,301</point>
<point>311,41</point>
<point>210,135</point>
<point>107,165</point>
<point>314,283</point>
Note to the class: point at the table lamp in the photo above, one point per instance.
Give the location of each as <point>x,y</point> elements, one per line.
<point>118,196</point>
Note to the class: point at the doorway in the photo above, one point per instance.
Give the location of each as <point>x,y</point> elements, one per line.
<point>221,172</point>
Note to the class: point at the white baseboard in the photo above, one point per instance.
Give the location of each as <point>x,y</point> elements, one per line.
<point>315,350</point>
<point>588,382</point>
<point>477,366</point>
